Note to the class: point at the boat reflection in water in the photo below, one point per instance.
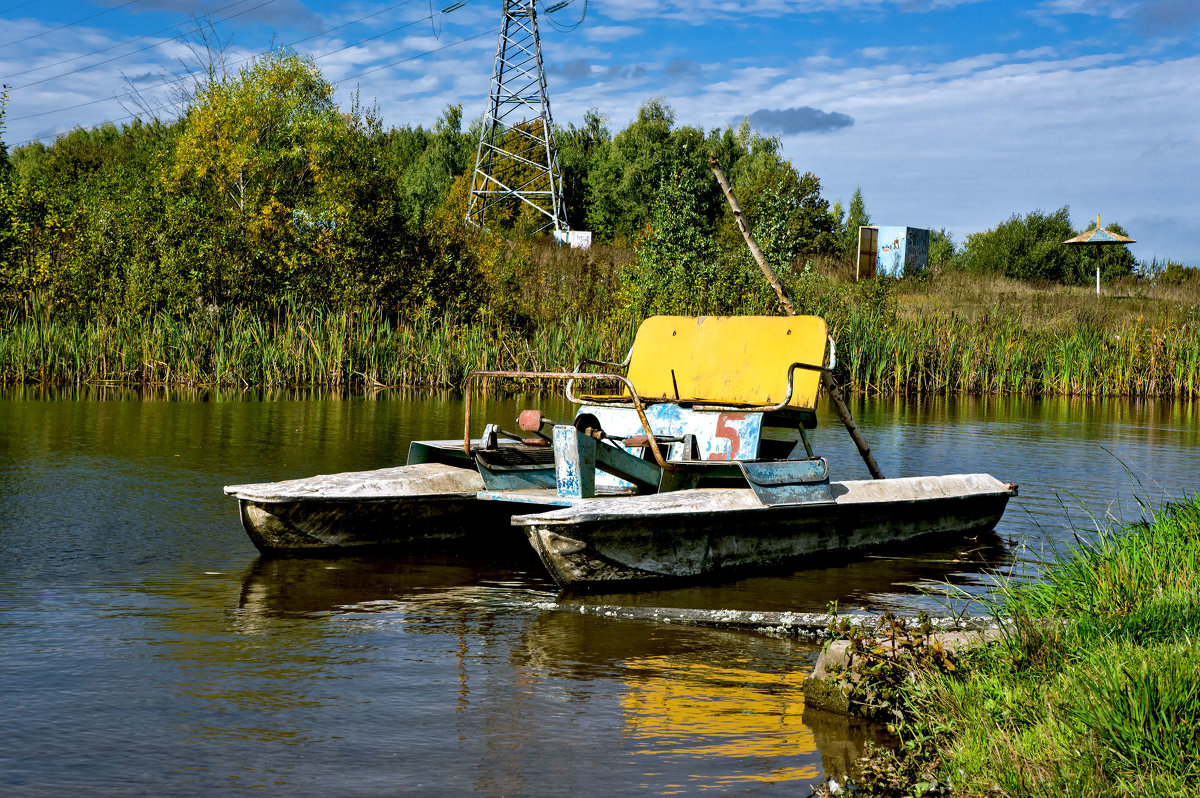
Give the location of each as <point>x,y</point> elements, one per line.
<point>509,691</point>
<point>937,578</point>
<point>747,717</point>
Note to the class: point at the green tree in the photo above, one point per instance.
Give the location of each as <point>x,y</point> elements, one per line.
<point>675,256</point>
<point>941,249</point>
<point>791,218</point>
<point>444,155</point>
<point>1026,247</point>
<point>255,153</point>
<point>856,217</point>
<point>580,151</point>
<point>622,184</point>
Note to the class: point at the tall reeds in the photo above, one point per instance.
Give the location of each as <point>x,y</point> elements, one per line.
<point>996,355</point>
<point>294,347</point>
<point>879,352</point>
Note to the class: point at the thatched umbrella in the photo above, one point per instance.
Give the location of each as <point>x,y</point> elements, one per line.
<point>1098,237</point>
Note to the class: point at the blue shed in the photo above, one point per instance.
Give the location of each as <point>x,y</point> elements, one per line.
<point>901,250</point>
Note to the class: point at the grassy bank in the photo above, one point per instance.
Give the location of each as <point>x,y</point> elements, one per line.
<point>952,335</point>
<point>1096,691</point>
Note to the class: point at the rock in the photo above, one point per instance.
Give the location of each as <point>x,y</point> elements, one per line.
<point>823,690</point>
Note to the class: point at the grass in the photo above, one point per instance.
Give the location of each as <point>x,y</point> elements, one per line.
<point>954,334</point>
<point>293,348</point>
<point>1095,690</point>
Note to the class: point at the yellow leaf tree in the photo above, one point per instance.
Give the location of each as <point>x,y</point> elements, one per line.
<point>255,151</point>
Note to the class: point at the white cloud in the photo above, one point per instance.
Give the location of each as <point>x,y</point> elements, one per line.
<point>610,33</point>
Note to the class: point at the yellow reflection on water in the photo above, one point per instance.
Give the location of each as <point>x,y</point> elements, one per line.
<point>752,718</point>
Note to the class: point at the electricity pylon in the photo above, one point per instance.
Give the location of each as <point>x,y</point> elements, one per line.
<point>516,161</point>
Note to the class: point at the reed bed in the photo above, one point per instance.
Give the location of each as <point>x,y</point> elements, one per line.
<point>879,352</point>
<point>997,355</point>
<point>291,348</point>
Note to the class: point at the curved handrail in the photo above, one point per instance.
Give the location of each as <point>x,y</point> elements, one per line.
<point>570,376</point>
<point>787,400</point>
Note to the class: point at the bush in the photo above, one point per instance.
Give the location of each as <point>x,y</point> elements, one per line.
<point>1178,274</point>
<point>1031,247</point>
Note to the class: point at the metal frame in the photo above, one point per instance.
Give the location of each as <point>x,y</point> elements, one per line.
<point>570,377</point>
<point>518,92</point>
<point>637,401</point>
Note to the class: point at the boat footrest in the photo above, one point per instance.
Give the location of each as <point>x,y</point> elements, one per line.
<point>781,482</point>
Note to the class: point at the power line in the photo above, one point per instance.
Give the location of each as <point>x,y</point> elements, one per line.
<point>120,44</point>
<point>188,74</point>
<point>348,24</point>
<point>133,52</point>
<point>419,55</point>
<point>69,24</point>
<point>18,5</point>
<point>371,38</point>
<point>549,15</point>
<point>165,106</point>
<point>178,38</point>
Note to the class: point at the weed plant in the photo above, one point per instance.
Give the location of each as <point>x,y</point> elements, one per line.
<point>1095,689</point>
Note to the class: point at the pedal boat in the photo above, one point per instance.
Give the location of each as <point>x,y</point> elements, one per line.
<point>701,463</point>
<point>694,461</point>
<point>428,504</point>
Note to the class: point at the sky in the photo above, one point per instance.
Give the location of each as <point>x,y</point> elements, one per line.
<point>951,114</point>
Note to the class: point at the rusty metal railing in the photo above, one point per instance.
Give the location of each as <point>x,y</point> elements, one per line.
<point>570,376</point>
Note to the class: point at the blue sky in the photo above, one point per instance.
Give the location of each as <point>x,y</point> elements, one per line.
<point>947,113</point>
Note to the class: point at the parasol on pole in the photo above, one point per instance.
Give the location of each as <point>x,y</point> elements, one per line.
<point>1098,237</point>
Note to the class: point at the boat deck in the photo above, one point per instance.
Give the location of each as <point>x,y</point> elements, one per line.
<point>547,497</point>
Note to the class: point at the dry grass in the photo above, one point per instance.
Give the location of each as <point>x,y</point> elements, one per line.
<point>1046,306</point>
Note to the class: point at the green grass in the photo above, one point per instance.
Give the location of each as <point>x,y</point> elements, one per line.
<point>953,335</point>
<point>1096,690</point>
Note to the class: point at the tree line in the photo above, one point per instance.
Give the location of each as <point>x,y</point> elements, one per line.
<point>265,192</point>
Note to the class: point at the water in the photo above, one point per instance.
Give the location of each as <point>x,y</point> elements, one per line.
<point>146,649</point>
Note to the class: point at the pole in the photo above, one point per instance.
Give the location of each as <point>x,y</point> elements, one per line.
<point>835,395</point>
<point>750,242</point>
<point>831,387</point>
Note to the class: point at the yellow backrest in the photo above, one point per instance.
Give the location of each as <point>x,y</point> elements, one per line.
<point>728,359</point>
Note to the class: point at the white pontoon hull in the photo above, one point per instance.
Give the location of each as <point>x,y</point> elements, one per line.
<point>605,542</point>
<point>415,506</point>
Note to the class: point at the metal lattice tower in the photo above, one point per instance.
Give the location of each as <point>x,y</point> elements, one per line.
<point>516,161</point>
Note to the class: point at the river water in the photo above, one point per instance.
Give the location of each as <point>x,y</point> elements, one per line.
<point>145,648</point>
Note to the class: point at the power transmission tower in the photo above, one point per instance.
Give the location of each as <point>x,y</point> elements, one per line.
<point>516,161</point>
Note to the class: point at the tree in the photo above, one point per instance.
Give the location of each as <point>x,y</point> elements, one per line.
<point>790,217</point>
<point>579,152</point>
<point>1026,247</point>
<point>254,153</point>
<point>856,217</point>
<point>941,249</point>
<point>622,184</point>
<point>444,154</point>
<point>675,254</point>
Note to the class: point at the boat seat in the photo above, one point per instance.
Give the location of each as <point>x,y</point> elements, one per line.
<point>728,360</point>
<point>516,454</point>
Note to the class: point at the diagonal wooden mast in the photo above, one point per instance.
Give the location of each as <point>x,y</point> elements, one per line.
<point>831,387</point>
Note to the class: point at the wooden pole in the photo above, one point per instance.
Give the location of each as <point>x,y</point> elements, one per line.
<point>835,395</point>
<point>831,387</point>
<point>761,259</point>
